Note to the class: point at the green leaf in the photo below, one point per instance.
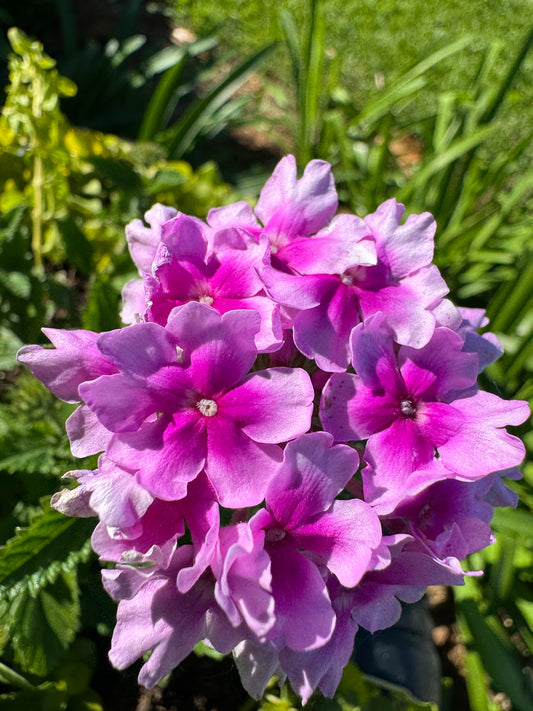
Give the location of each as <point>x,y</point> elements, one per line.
<point>11,677</point>
<point>17,283</point>
<point>162,103</point>
<point>498,658</point>
<point>118,172</point>
<point>45,697</point>
<point>455,150</point>
<point>409,83</point>
<point>518,521</point>
<point>37,555</point>
<point>9,345</point>
<point>199,115</point>
<point>165,179</point>
<point>202,650</point>
<point>43,626</point>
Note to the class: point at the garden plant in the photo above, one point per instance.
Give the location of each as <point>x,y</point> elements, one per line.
<point>281,408</point>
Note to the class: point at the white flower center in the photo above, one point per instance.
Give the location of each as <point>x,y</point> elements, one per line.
<point>206,300</point>
<point>208,408</point>
<point>347,279</point>
<point>407,408</point>
<point>274,535</point>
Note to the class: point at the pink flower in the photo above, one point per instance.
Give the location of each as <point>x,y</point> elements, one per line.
<point>388,270</point>
<point>183,401</point>
<point>409,405</point>
<point>307,532</point>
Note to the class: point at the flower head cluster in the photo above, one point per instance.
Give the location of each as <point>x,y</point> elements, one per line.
<point>233,514</point>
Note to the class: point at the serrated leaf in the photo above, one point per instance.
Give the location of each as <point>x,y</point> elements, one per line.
<point>47,459</point>
<point>43,626</point>
<point>52,544</point>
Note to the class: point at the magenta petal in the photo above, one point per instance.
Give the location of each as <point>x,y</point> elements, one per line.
<point>116,496</point>
<point>373,355</point>
<point>338,247</point>
<point>139,350</point>
<point>257,663</point>
<point>86,433</point>
<point>323,332</point>
<point>120,403</point>
<point>343,539</point>
<point>299,292</point>
<point>133,301</point>
<point>73,502</point>
<point>399,450</point>
<point>143,241</point>
<point>74,360</point>
<point>222,347</point>
<point>407,305</point>
<point>385,492</point>
<point>164,463</point>
<point>238,468</point>
<point>482,445</point>
<point>238,214</point>
<point>314,471</point>
<point>135,632</point>
<point>269,338</point>
<point>439,422</point>
<point>407,247</point>
<point>323,666</point>
<point>185,237</point>
<point>203,519</point>
<point>453,369</point>
<point>243,588</point>
<point>173,284</point>
<point>305,617</point>
<point>291,207</point>
<point>272,405</point>
<point>166,622</point>
<point>351,411</point>
<point>236,275</point>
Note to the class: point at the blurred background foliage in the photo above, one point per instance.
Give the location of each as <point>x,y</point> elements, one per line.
<point>112,106</point>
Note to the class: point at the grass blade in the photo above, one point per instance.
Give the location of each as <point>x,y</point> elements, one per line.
<point>161,104</point>
<point>196,119</point>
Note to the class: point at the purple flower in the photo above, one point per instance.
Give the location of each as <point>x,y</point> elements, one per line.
<point>375,602</point>
<point>143,241</point>
<point>307,532</point>
<point>404,403</point>
<point>332,297</point>
<point>157,617</point>
<point>74,360</point>
<point>187,420</point>
<point>451,518</point>
<point>289,209</point>
<point>184,270</point>
<point>183,401</point>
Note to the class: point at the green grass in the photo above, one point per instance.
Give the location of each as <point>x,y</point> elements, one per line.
<point>377,40</point>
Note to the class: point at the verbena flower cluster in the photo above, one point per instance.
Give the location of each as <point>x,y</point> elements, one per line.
<point>292,440</point>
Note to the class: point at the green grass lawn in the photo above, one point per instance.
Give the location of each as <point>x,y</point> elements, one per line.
<point>377,40</point>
